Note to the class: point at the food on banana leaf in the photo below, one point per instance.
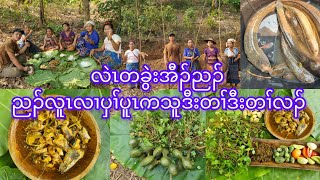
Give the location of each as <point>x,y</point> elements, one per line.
<point>56,144</point>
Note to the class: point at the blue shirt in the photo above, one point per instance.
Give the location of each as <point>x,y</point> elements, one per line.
<point>189,52</point>
<point>94,36</point>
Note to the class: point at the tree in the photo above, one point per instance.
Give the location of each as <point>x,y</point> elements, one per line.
<point>42,19</point>
<point>86,9</point>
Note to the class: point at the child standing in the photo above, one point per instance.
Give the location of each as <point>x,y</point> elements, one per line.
<point>132,59</point>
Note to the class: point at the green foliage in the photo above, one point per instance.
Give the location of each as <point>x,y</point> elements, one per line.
<point>189,18</point>
<point>124,14</point>
<point>228,142</point>
<point>11,173</point>
<point>234,3</point>
<point>5,111</point>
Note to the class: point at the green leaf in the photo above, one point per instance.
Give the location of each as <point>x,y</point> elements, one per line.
<point>40,78</point>
<point>74,78</point>
<point>6,160</point>
<point>5,111</point>
<point>312,97</point>
<point>7,173</point>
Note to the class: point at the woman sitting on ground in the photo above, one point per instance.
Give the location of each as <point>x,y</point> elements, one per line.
<point>87,40</point>
<point>50,41</point>
<point>67,37</point>
<point>109,52</point>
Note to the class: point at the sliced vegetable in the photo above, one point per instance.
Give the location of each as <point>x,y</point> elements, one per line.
<point>312,146</point>
<point>298,146</point>
<point>316,159</point>
<point>310,161</point>
<point>302,160</point>
<point>315,153</point>
<point>306,152</point>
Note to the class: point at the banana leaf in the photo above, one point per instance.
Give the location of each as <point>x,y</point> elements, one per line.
<point>7,173</point>
<point>41,78</point>
<point>5,111</point>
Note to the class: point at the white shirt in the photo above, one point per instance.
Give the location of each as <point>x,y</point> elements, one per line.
<point>108,43</point>
<point>132,56</point>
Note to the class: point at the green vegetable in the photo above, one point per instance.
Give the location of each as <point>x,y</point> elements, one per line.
<point>280,160</point>
<point>157,152</point>
<point>310,161</point>
<point>292,160</point>
<point>277,154</point>
<point>279,149</point>
<point>291,148</point>
<point>173,170</point>
<point>177,153</point>
<point>147,160</point>
<point>165,152</point>
<point>152,165</point>
<point>287,155</point>
<point>302,160</point>
<point>165,161</point>
<point>133,143</point>
<point>147,148</point>
<point>298,146</point>
<point>316,159</point>
<point>187,164</point>
<point>287,159</point>
<point>135,153</point>
<point>281,154</point>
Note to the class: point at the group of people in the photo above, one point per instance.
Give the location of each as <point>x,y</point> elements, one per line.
<point>191,55</point>
<point>86,43</point>
<point>13,53</point>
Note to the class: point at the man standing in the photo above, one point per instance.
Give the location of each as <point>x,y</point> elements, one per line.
<point>11,57</point>
<point>172,52</point>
